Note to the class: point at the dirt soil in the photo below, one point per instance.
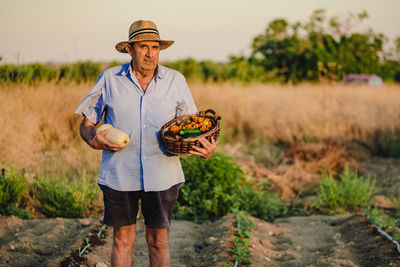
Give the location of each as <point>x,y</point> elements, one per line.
<point>39,242</point>
<point>345,240</point>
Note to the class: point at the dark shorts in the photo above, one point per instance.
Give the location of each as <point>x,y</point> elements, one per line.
<point>121,208</point>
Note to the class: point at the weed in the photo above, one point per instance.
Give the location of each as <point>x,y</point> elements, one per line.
<point>257,202</point>
<point>13,187</point>
<point>351,191</point>
<point>65,197</point>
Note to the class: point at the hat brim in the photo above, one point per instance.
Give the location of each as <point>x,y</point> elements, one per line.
<point>164,44</point>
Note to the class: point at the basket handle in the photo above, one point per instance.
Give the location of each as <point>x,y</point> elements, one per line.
<point>204,112</point>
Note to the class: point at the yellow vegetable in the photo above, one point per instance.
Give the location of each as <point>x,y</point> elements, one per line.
<point>115,136</point>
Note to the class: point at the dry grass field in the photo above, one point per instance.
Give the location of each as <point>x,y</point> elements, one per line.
<point>40,130</point>
<point>281,113</point>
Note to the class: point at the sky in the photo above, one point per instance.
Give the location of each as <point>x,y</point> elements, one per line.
<point>68,31</point>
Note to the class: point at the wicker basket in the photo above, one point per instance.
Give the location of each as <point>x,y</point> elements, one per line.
<point>179,146</point>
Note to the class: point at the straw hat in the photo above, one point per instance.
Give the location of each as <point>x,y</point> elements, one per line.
<point>143,30</point>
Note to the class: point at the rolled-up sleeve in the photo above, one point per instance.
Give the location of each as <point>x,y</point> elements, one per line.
<point>92,106</point>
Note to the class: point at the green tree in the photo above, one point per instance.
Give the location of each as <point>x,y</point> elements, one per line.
<point>321,49</point>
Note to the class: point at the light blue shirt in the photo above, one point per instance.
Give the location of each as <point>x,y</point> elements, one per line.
<point>143,164</point>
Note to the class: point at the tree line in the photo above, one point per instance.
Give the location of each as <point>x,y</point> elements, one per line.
<point>320,49</point>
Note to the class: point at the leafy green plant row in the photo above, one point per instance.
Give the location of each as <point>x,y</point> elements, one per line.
<point>53,197</point>
<point>76,258</point>
<point>385,222</point>
<point>241,240</point>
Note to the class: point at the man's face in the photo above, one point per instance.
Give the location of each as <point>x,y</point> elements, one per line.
<point>145,55</point>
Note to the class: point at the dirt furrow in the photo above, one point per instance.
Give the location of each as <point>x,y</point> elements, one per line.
<point>345,240</point>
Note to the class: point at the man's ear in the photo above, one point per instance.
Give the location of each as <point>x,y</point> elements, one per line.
<point>128,48</point>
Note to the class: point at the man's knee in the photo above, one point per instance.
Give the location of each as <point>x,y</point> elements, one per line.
<point>157,238</point>
<point>124,237</point>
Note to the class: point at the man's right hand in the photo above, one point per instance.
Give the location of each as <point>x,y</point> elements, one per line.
<point>100,142</point>
<point>96,141</point>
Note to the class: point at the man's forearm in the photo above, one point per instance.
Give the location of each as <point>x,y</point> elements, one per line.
<point>87,131</point>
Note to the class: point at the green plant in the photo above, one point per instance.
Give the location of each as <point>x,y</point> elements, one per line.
<point>216,186</point>
<point>241,241</point>
<point>257,202</point>
<point>384,222</point>
<point>64,196</point>
<point>13,187</point>
<point>350,191</point>
<point>396,204</point>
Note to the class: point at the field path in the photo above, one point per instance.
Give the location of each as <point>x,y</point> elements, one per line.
<point>345,240</point>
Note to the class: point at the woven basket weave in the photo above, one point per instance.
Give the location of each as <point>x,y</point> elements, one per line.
<point>179,146</point>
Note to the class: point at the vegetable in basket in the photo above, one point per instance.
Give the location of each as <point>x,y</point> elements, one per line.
<point>192,127</point>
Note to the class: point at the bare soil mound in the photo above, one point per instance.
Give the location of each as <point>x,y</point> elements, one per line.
<point>39,242</point>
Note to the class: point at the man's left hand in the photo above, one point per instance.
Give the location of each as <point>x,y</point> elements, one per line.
<point>206,150</point>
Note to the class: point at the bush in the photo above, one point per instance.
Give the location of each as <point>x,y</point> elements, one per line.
<point>349,192</point>
<point>13,187</point>
<point>65,197</point>
<point>216,186</point>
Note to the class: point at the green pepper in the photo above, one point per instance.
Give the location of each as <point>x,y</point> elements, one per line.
<point>182,132</point>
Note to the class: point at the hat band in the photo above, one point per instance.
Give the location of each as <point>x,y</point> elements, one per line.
<point>149,30</point>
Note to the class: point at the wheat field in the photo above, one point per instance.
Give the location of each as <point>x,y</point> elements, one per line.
<point>40,132</point>
<point>279,113</point>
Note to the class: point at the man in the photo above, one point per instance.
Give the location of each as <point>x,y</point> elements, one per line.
<point>139,98</point>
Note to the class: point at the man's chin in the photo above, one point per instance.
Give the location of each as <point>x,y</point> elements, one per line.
<point>149,67</point>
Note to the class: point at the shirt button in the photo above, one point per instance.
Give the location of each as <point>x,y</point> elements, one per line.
<point>144,126</point>
<point>144,142</point>
<point>144,157</point>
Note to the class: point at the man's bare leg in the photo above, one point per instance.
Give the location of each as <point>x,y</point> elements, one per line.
<point>157,242</point>
<point>123,240</point>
